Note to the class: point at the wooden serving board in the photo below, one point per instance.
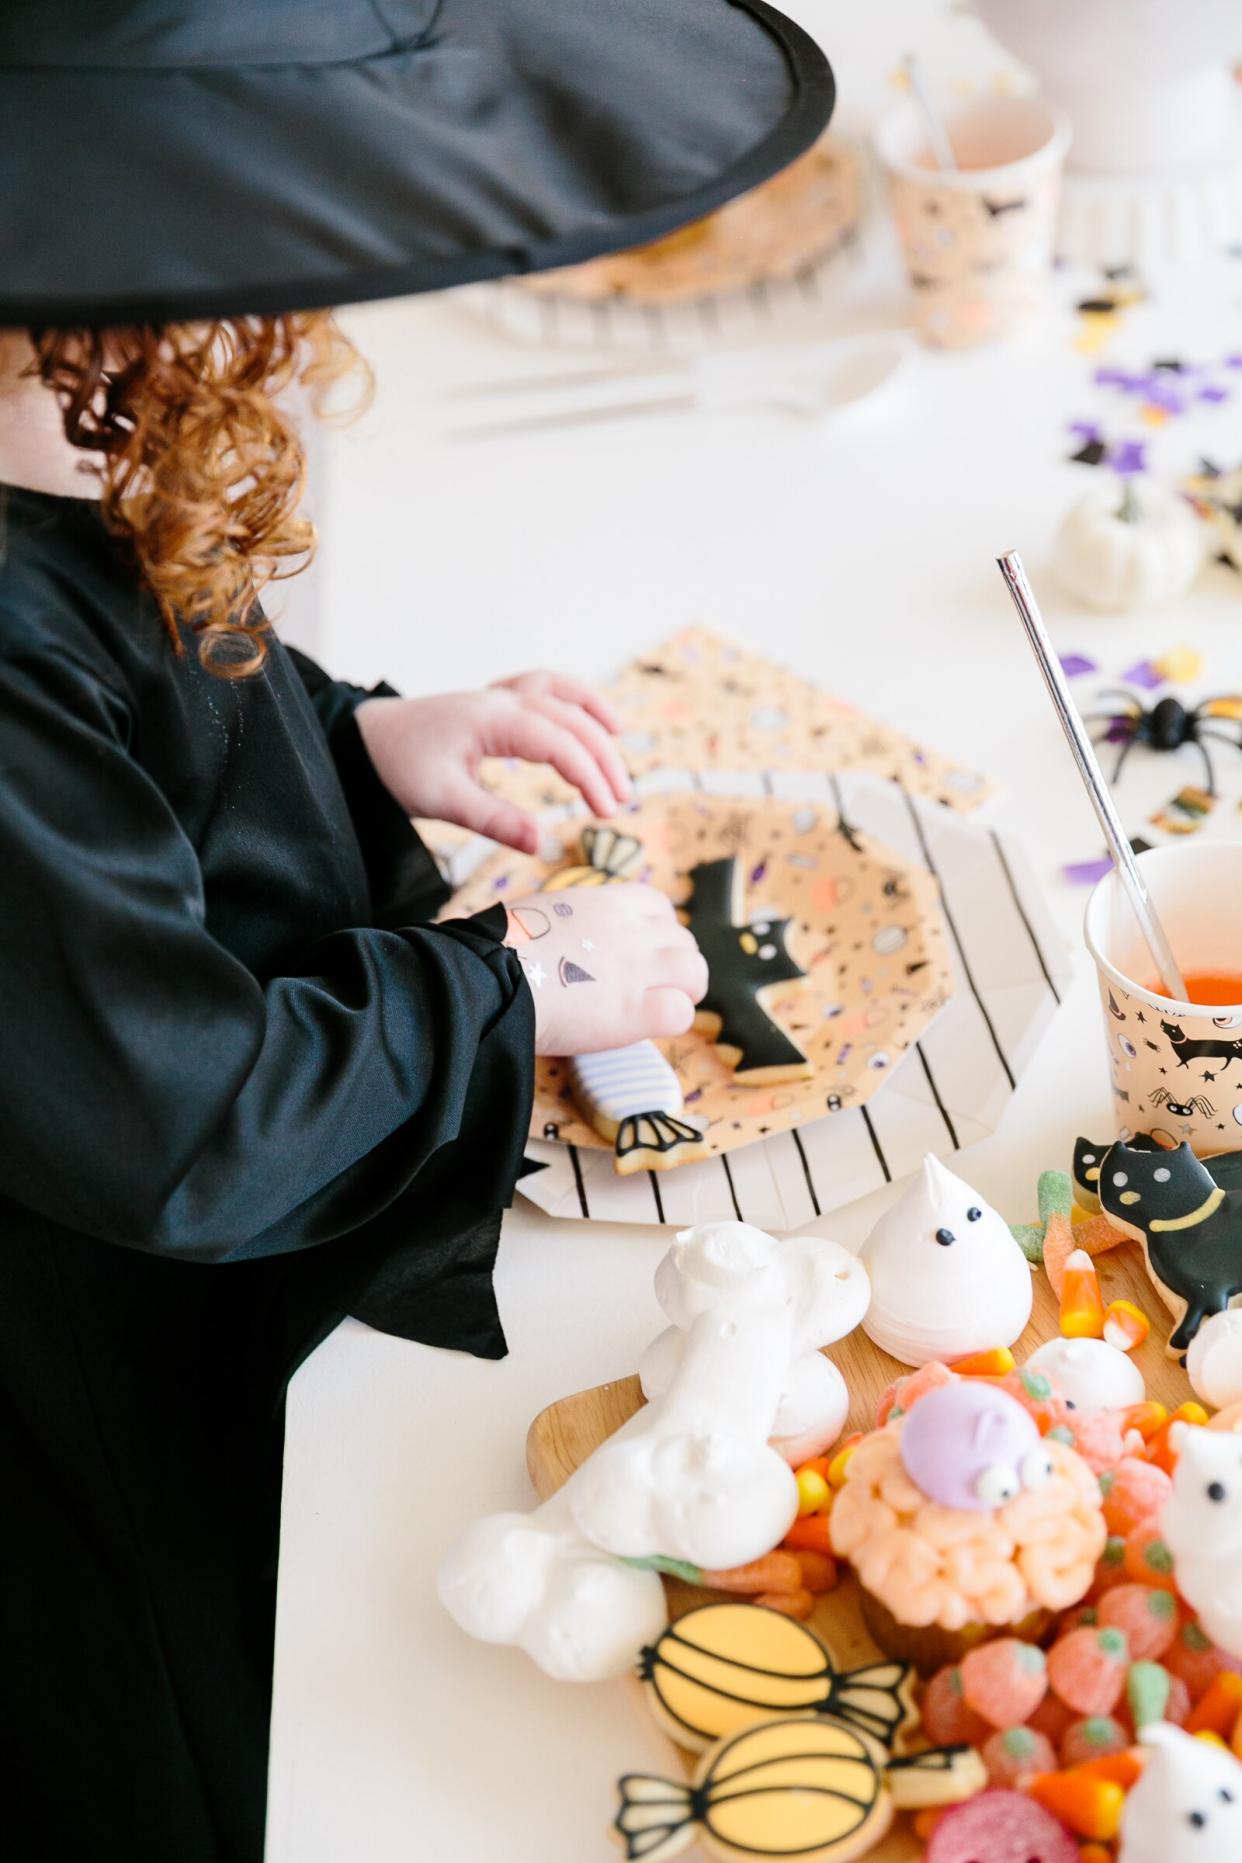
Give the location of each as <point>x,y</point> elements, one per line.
<point>567,1432</point>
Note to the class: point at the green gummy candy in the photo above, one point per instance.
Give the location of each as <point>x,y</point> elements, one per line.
<point>1192,1636</point>
<point>1030,1239</point>
<point>1113,1643</point>
<point>1147,1692</point>
<point>1055,1193</point>
<point>1114,1547</point>
<point>1018,1742</point>
<point>1161,1605</point>
<point>1159,1558</point>
<point>1037,1385</point>
<point>1098,1730</point>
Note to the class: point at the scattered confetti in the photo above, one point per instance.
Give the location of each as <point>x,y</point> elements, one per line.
<point>1180,664</point>
<point>1074,665</point>
<point>1185,813</point>
<point>1087,872</point>
<point>1145,673</point>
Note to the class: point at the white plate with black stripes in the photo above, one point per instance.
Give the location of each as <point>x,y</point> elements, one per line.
<point>1010,970</point>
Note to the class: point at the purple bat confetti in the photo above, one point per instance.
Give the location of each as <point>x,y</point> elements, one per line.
<point>1087,430</point>
<point>1087,872</point>
<point>1074,665</point>
<point>1128,457</point>
<point>1144,674</point>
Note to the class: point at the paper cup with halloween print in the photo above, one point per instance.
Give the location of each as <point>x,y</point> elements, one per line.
<point>1176,1067</point>
<point>977,240</point>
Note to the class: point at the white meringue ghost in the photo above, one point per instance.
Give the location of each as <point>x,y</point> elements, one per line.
<point>1187,1805</point>
<point>1090,1374</point>
<point>1214,1361</point>
<point>947,1277</point>
<point>1202,1528</point>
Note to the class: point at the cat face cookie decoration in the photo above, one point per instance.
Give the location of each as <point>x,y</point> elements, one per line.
<point>1190,1227</point>
<point>947,1277</point>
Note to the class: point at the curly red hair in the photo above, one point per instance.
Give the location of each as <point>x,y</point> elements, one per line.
<point>202,470</point>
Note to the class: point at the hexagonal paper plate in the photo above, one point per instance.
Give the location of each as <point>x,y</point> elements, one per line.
<point>864,926</point>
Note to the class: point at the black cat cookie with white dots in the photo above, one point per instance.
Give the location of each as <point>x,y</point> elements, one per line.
<point>1189,1225</point>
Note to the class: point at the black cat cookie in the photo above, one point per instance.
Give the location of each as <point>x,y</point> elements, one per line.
<point>1188,1222</point>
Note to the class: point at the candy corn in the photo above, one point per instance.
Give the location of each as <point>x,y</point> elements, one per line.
<point>1218,1707</point>
<point>993,1364</point>
<point>1159,1449</point>
<point>1146,1417</point>
<point>1125,1325</point>
<point>1091,1806</point>
<point>814,1494</point>
<point>1082,1304</point>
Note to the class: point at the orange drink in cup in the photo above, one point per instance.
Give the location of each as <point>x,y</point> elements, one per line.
<point>1176,1067</point>
<point>978,239</point>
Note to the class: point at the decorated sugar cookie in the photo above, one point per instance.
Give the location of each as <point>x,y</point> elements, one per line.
<point>744,960</point>
<point>1189,1225</point>
<point>724,1666</point>
<point>809,1791</point>
<point>947,1277</point>
<point>1186,1806</point>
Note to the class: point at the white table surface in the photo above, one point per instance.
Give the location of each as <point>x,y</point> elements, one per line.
<point>863,556</point>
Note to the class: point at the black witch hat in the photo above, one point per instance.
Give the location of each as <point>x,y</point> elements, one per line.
<point>172,159</point>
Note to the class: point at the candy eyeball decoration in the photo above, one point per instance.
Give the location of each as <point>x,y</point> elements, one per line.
<point>1187,1805</point>
<point>1090,1374</point>
<point>947,1277</point>
<point>972,1448</point>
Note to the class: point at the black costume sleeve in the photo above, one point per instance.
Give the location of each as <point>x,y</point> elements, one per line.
<point>155,1093</point>
<point>406,884</point>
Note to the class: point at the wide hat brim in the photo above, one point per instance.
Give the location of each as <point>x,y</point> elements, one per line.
<point>175,159</point>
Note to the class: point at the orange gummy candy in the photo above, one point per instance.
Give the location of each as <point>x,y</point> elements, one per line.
<point>1082,1303</point>
<point>1159,1448</point>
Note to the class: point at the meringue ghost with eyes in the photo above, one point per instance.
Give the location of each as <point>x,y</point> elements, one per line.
<point>1202,1527</point>
<point>947,1277</point>
<point>972,1447</point>
<point>1187,1805</point>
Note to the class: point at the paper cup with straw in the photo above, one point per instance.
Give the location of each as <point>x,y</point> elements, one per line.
<point>1175,1065</point>
<point>977,239</point>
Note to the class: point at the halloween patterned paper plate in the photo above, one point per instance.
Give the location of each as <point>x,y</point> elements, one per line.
<point>864,925</point>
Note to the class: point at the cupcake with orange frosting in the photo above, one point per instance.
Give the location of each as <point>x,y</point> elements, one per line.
<point>961,1523</point>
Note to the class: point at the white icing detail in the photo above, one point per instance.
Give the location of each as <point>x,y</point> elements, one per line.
<point>1183,1776</point>
<point>1092,1374</point>
<point>1214,1361</point>
<point>1120,1178</point>
<point>691,1476</point>
<point>1088,1157</point>
<point>1204,1533</point>
<point>767,951</point>
<point>619,1083</point>
<point>1161,1174</point>
<point>932,1302</point>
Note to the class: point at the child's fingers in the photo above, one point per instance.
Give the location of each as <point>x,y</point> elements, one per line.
<point>573,691</point>
<point>666,1011</point>
<point>683,969</point>
<point>590,735</point>
<point>471,806</point>
<point>529,735</point>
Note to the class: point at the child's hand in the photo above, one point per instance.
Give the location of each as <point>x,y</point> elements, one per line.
<point>427,752</point>
<point>607,965</point>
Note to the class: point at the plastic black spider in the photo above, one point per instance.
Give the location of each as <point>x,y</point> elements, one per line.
<point>1167,726</point>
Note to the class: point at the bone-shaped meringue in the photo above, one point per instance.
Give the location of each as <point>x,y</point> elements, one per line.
<point>691,1476</point>
<point>831,1289</point>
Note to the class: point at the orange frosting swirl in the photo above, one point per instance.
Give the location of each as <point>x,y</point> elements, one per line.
<point>930,1564</point>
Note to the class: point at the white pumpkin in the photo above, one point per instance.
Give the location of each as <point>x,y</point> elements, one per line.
<point>1115,562</point>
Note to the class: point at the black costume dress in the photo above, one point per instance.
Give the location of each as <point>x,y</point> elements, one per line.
<point>246,1091</point>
